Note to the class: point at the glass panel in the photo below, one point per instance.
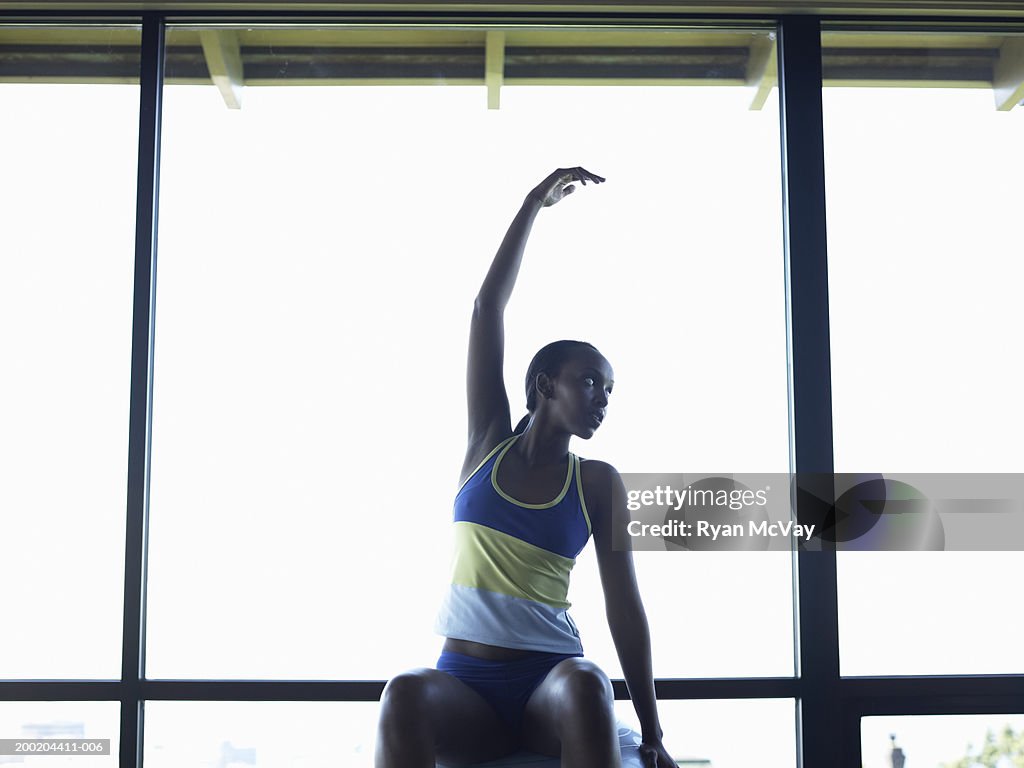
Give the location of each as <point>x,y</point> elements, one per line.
<point>725,733</point>
<point>68,146</point>
<point>271,734</point>
<point>320,251</point>
<point>924,278</point>
<point>262,733</point>
<point>50,723</point>
<point>944,741</point>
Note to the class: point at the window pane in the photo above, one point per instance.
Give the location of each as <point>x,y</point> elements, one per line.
<point>301,734</point>
<point>320,250</point>
<point>924,278</point>
<point>93,720</point>
<point>68,154</point>
<point>264,733</point>
<point>723,733</point>
<point>940,740</point>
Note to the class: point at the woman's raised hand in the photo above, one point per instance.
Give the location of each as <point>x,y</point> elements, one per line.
<point>559,184</point>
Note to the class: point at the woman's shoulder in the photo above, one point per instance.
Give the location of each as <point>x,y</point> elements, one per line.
<point>602,484</point>
<point>598,477</point>
<point>597,469</point>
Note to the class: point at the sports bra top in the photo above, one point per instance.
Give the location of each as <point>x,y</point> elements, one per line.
<point>510,571</point>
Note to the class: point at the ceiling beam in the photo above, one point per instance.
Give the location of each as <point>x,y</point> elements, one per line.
<point>762,70</point>
<point>494,67</point>
<point>842,8</point>
<point>224,60</point>
<point>1008,75</point>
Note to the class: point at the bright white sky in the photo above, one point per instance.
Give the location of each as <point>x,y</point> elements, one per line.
<point>319,251</point>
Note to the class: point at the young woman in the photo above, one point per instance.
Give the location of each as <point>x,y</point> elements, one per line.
<point>511,674</point>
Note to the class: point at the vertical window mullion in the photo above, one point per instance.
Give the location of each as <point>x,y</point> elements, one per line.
<point>803,178</point>
<point>134,627</point>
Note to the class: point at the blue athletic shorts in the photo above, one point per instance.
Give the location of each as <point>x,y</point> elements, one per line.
<point>505,685</point>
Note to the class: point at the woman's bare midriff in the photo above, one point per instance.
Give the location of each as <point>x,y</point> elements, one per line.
<point>482,651</point>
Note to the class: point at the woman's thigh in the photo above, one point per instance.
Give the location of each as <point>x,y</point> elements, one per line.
<point>575,696</point>
<point>465,728</point>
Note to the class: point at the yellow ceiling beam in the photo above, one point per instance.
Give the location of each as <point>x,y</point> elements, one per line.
<point>494,67</point>
<point>976,8</point>
<point>875,82</point>
<point>1008,77</point>
<point>762,70</point>
<point>224,60</point>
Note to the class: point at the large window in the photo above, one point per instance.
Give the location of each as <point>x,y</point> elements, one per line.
<point>329,197</point>
<point>923,291</point>
<point>320,248</point>
<point>67,206</point>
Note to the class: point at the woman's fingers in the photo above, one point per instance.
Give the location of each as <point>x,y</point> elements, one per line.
<point>648,756</point>
<point>583,175</point>
<point>559,183</point>
<point>579,173</point>
<point>656,757</point>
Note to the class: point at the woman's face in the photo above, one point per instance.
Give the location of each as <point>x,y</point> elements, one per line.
<point>581,391</point>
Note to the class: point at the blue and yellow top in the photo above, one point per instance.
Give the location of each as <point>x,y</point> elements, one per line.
<point>510,574</point>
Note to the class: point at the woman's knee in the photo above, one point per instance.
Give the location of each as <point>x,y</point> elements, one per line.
<point>574,708</point>
<point>406,695</point>
<point>586,683</point>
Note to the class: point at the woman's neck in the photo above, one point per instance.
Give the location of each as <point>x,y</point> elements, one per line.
<point>538,447</point>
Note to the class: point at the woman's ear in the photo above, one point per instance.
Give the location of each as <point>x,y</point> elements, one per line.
<point>545,387</point>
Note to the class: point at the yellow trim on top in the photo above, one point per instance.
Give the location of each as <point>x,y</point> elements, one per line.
<point>579,489</point>
<point>486,458</point>
<point>506,497</point>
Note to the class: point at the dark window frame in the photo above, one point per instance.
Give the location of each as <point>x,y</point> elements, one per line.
<point>828,707</point>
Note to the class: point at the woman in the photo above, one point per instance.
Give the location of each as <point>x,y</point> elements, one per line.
<point>511,674</point>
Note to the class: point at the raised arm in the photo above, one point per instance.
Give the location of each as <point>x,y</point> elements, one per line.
<point>489,418</point>
<point>627,620</point>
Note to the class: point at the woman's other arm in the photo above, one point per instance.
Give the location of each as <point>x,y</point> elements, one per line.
<point>627,620</point>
